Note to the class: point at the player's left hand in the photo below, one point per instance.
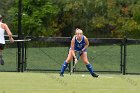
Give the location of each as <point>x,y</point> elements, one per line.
<point>83,50</point>
<point>11,40</point>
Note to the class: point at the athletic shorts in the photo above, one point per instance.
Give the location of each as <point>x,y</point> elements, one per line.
<point>80,50</point>
<point>2,46</point>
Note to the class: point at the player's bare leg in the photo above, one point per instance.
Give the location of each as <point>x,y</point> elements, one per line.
<point>88,65</point>
<point>65,64</point>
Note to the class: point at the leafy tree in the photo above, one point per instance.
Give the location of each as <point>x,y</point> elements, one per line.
<point>38,17</point>
<point>97,18</point>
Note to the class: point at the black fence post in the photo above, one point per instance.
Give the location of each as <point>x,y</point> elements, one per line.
<point>124,63</point>
<point>121,57</point>
<point>22,59</point>
<point>19,35</point>
<point>25,57</point>
<point>19,56</point>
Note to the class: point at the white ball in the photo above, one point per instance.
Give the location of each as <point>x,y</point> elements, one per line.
<point>83,75</point>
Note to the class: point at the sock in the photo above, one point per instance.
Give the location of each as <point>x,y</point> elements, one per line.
<point>64,66</point>
<point>90,68</point>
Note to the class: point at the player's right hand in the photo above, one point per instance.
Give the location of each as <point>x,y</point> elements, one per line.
<point>75,60</point>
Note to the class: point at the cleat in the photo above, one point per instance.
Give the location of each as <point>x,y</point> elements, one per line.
<point>95,75</point>
<point>61,75</point>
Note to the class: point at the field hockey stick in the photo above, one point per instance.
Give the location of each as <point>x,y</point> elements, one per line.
<point>79,54</point>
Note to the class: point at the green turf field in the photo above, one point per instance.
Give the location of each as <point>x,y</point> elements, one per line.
<point>102,58</point>
<point>12,82</point>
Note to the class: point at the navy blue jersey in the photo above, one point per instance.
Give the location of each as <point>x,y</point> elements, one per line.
<point>79,45</point>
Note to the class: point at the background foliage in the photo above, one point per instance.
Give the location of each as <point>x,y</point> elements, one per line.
<point>98,18</point>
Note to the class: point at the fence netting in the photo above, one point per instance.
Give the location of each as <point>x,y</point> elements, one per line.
<point>133,55</point>
<point>48,54</point>
<point>10,57</point>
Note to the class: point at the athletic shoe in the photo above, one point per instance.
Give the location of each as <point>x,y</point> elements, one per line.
<point>95,75</point>
<point>2,62</point>
<point>61,75</point>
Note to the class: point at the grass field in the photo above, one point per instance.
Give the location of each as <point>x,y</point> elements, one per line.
<point>12,82</point>
<point>102,58</point>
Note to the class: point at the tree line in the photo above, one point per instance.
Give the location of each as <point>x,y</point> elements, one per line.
<point>97,18</point>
